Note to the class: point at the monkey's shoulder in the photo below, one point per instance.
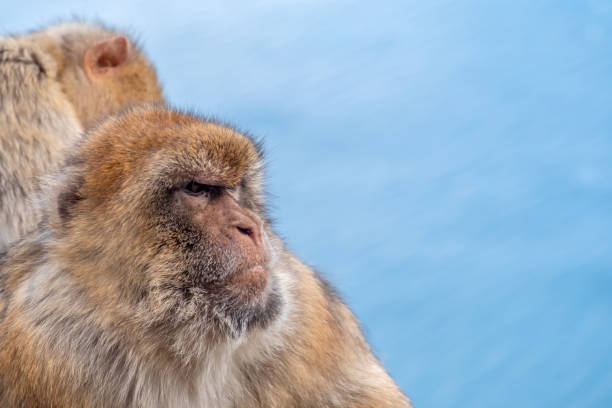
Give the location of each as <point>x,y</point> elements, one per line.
<point>331,359</point>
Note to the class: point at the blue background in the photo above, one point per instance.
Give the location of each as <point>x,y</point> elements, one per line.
<point>447,165</point>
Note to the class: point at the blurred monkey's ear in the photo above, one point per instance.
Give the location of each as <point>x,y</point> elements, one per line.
<point>102,58</point>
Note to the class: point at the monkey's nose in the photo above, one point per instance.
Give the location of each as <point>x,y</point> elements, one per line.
<point>247,227</point>
<point>250,230</point>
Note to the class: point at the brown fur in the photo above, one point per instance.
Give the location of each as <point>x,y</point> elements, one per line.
<point>46,99</point>
<point>114,302</point>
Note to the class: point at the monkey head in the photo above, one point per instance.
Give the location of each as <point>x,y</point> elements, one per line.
<point>101,70</point>
<point>167,210</point>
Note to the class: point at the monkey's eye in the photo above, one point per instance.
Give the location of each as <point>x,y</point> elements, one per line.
<point>195,188</point>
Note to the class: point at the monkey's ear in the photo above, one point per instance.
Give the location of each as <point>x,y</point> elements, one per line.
<point>59,194</point>
<point>68,197</point>
<point>104,56</point>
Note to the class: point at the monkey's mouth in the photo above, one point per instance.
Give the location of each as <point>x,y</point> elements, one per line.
<point>250,282</point>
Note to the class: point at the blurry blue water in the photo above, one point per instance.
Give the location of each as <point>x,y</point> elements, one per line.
<point>447,165</point>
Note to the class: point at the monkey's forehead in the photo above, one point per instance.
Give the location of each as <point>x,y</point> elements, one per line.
<point>148,138</point>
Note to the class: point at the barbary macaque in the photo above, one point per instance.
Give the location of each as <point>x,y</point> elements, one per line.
<point>53,83</point>
<point>155,279</point>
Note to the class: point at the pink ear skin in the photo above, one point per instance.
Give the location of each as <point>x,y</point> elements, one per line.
<point>102,57</point>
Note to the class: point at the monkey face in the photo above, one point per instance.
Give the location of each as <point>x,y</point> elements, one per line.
<point>226,258</point>
<point>208,218</point>
<point>172,206</point>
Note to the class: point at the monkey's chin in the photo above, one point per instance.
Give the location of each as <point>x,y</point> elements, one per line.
<point>254,301</point>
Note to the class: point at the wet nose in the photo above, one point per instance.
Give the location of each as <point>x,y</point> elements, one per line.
<point>250,226</point>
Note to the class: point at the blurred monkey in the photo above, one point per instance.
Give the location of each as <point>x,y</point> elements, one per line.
<point>53,83</point>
